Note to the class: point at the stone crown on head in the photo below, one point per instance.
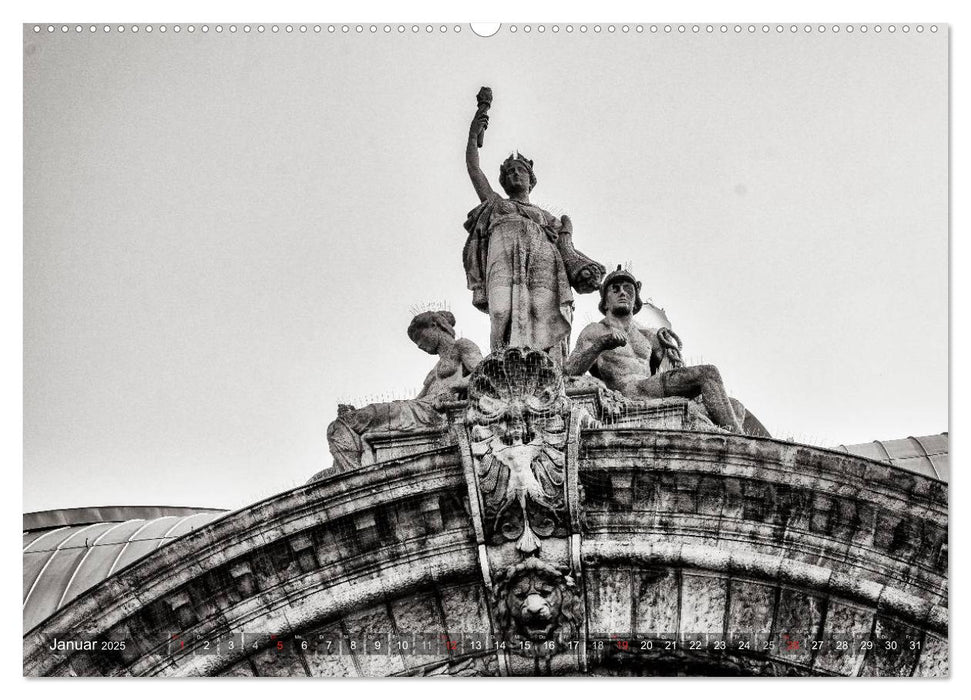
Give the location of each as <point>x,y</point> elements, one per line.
<point>514,157</point>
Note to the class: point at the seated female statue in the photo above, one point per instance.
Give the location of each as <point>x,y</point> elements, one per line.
<point>433,332</point>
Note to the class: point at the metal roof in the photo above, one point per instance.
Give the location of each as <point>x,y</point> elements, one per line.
<point>72,550</point>
<point>42,519</point>
<point>927,455</point>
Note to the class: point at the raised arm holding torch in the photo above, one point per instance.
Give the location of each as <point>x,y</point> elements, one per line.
<point>484,99</point>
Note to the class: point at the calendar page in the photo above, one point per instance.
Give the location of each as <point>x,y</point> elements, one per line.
<point>528,349</point>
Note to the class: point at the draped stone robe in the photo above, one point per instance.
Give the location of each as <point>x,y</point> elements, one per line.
<point>523,251</point>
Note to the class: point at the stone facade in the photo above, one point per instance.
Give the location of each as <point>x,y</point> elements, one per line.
<point>658,547</point>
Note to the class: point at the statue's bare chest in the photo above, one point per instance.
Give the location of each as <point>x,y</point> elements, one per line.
<point>637,352</point>
<point>639,345</point>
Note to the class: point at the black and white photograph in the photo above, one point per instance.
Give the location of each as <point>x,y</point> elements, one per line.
<point>371,349</point>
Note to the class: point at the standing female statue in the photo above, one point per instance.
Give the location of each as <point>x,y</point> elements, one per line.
<point>519,259</point>
<point>433,332</point>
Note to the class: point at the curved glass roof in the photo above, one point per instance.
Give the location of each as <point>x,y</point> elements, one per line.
<point>927,455</point>
<point>67,552</point>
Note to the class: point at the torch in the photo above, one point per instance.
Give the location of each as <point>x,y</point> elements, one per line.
<point>484,99</point>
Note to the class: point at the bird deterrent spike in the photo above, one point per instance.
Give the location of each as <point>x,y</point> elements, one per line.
<point>434,305</point>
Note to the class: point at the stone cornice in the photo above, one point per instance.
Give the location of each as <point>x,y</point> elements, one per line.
<point>722,505</point>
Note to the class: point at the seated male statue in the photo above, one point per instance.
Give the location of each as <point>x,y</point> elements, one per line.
<point>628,359</point>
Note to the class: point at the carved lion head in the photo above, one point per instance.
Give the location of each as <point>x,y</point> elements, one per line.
<point>535,601</point>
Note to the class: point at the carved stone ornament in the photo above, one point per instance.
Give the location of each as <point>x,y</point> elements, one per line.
<point>517,418</point>
<point>535,601</point>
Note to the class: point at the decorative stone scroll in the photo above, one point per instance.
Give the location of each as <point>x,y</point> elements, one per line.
<point>517,418</point>
<point>520,444</point>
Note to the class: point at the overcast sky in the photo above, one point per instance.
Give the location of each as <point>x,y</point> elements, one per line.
<point>224,233</point>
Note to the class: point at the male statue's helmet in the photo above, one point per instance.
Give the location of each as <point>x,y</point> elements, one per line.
<point>625,275</point>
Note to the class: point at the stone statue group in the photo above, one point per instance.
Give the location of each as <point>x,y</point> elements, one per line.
<point>522,268</point>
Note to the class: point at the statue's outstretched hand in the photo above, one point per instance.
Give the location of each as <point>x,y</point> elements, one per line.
<point>588,278</point>
<point>442,399</point>
<point>610,340</point>
<point>479,124</point>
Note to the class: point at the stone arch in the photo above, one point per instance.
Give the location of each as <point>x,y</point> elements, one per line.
<point>678,532</point>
